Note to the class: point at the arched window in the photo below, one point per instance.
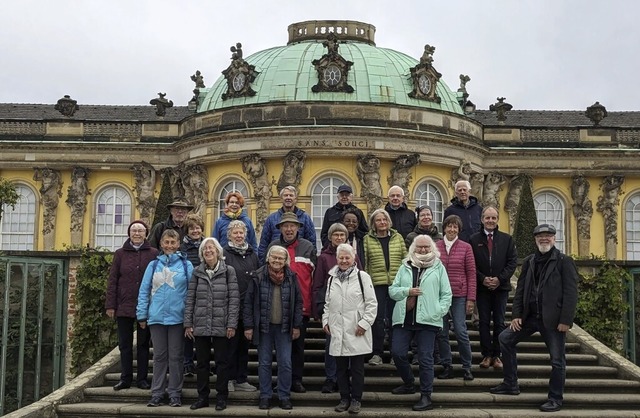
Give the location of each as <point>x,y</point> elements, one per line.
<point>113,215</point>
<point>231,186</point>
<point>632,226</point>
<point>428,194</point>
<point>550,210</point>
<point>19,223</point>
<point>323,197</point>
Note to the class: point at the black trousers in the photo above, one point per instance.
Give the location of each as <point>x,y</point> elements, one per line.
<point>297,352</point>
<point>238,355</point>
<point>126,326</point>
<point>220,355</point>
<point>350,376</point>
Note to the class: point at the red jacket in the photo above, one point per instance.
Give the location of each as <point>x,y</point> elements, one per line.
<point>461,268</point>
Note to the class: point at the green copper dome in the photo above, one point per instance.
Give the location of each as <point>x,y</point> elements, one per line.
<point>286,73</point>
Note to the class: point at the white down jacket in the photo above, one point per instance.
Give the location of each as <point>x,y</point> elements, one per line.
<point>346,308</point>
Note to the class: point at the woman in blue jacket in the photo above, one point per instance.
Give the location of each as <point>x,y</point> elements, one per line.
<point>234,211</point>
<point>161,303</point>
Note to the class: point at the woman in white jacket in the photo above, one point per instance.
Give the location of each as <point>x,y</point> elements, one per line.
<point>349,313</point>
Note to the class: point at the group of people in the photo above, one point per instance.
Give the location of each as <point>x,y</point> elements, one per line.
<point>396,278</point>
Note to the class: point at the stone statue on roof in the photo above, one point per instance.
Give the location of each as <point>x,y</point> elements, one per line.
<point>198,79</point>
<point>161,104</point>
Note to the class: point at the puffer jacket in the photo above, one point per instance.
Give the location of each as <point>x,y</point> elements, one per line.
<point>125,277</point>
<point>245,264</point>
<point>164,290</point>
<point>432,232</point>
<point>222,225</point>
<point>374,257</point>
<point>257,303</point>
<point>471,216</point>
<point>270,232</point>
<point>434,302</point>
<point>461,268</point>
<point>213,304</point>
<point>346,309</point>
<point>191,248</point>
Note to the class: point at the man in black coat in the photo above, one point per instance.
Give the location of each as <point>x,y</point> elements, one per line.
<point>495,264</point>
<point>335,212</point>
<point>545,301</point>
<point>467,208</point>
<point>178,208</point>
<point>402,218</point>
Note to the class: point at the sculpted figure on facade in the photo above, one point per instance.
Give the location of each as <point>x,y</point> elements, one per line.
<point>491,187</point>
<point>50,194</point>
<point>292,166</point>
<point>477,185</point>
<point>195,182</point>
<point>400,172</point>
<point>512,200</point>
<point>145,183</point>
<point>608,202</point>
<point>254,166</point>
<point>161,104</point>
<point>77,197</point>
<point>462,172</point>
<point>175,180</point>
<point>582,207</point>
<point>368,171</point>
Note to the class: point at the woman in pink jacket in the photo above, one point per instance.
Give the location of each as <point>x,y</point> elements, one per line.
<point>457,257</point>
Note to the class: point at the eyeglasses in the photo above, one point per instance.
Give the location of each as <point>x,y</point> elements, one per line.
<point>276,258</point>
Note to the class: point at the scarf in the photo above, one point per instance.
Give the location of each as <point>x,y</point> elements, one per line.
<point>240,249</point>
<point>448,244</point>
<point>354,242</point>
<point>233,215</point>
<point>211,272</point>
<point>344,275</point>
<point>276,277</point>
<point>422,261</point>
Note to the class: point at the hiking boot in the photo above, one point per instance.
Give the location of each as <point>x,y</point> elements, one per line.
<point>342,406</point>
<point>447,373</point>
<point>354,408</point>
<point>424,404</point>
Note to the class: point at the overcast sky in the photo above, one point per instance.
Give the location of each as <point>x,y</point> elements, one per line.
<point>539,54</point>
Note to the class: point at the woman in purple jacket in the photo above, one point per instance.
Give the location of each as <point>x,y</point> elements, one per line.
<point>125,276</point>
<point>457,257</point>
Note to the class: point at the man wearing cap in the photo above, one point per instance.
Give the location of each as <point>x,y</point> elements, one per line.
<point>179,208</point>
<point>496,261</point>
<point>270,232</point>
<point>335,212</point>
<point>302,256</point>
<point>545,301</point>
<point>403,219</point>
<point>467,208</point>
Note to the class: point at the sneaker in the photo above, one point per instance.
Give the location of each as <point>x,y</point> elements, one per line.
<point>244,387</point>
<point>551,405</point>
<point>297,387</point>
<point>329,386</point>
<point>189,370</point>
<point>415,361</point>
<point>354,408</point>
<point>231,387</point>
<point>376,360</point>
<point>468,375</point>
<point>175,402</point>
<point>404,389</point>
<point>504,389</point>
<point>342,406</point>
<point>265,403</point>
<point>447,373</point>
<point>155,401</point>
<point>286,404</point>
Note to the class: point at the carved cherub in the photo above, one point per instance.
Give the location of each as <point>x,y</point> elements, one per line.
<point>236,52</point>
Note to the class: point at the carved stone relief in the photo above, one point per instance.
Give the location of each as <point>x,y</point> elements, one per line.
<point>77,200</point>
<point>501,108</point>
<point>67,106</point>
<point>145,183</point>
<point>332,68</point>
<point>400,172</point>
<point>292,166</point>
<point>608,202</point>
<point>425,77</point>
<point>195,182</point>
<point>596,112</point>
<point>516,183</point>
<point>583,211</point>
<point>254,166</point>
<point>477,185</point>
<point>492,186</point>
<point>239,75</point>
<point>161,104</point>
<point>462,172</point>
<point>50,194</point>
<point>368,171</point>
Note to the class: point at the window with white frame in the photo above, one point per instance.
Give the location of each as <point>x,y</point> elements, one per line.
<point>632,227</point>
<point>324,195</point>
<point>428,194</point>
<point>19,223</point>
<point>550,209</point>
<point>231,186</point>
<point>113,216</point>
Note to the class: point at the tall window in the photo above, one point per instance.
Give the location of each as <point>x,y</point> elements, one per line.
<point>428,194</point>
<point>632,226</point>
<point>19,223</point>
<point>113,215</point>
<point>324,196</point>
<point>231,186</point>
<point>550,210</point>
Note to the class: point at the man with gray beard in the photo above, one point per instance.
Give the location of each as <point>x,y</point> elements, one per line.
<point>545,301</point>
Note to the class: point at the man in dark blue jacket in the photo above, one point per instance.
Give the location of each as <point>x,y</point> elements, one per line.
<point>334,213</point>
<point>467,208</point>
<point>545,302</point>
<point>402,218</point>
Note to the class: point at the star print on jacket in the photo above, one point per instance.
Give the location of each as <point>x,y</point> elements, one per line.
<point>162,277</point>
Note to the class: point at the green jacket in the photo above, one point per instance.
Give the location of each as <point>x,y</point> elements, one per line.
<point>434,302</point>
<point>374,257</point>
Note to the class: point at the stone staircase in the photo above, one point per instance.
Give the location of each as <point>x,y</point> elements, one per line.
<point>596,387</point>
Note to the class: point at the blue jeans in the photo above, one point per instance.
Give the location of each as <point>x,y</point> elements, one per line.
<point>330,366</point>
<point>425,339</point>
<point>458,312</point>
<point>555,341</point>
<point>491,305</point>
<point>383,319</point>
<point>282,342</point>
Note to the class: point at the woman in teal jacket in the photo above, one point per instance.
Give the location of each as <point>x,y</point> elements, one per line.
<point>161,302</point>
<point>384,250</point>
<point>423,296</point>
